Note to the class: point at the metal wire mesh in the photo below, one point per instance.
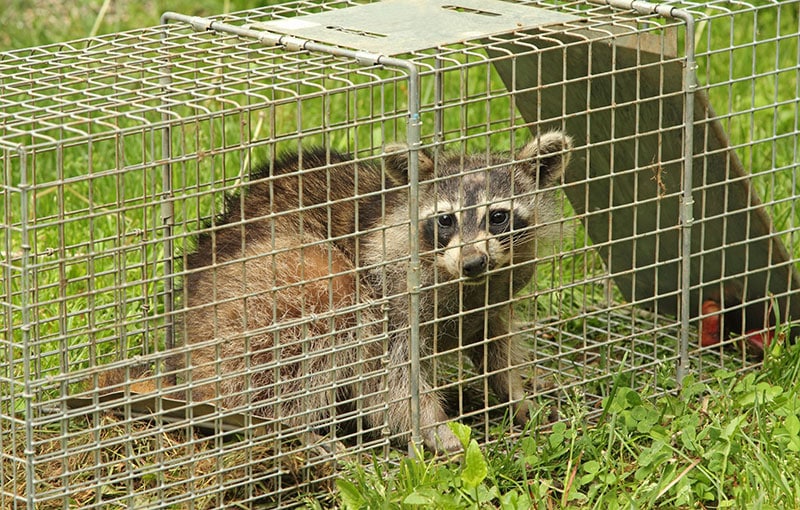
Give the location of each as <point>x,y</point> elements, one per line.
<point>129,158</point>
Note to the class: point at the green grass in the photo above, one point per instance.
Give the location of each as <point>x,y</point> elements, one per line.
<point>755,83</point>
<point>731,441</point>
<point>36,22</point>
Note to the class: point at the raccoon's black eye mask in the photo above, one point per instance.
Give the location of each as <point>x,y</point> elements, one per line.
<point>444,226</point>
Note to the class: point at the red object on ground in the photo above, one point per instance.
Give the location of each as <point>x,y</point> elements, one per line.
<point>759,339</point>
<point>709,326</point>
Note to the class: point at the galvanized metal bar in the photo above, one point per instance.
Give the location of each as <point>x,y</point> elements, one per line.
<point>414,279</point>
<point>690,86</point>
<point>25,329</point>
<point>167,218</point>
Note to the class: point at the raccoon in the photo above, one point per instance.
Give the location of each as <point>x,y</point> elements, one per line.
<point>282,312</point>
<point>275,319</point>
<point>482,218</point>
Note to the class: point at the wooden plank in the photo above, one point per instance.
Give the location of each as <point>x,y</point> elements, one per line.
<point>623,103</point>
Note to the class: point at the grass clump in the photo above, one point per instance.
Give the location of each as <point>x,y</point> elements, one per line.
<point>105,461</point>
<point>732,442</point>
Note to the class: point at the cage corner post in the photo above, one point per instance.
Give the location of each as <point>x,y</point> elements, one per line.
<point>414,141</point>
<point>167,219</point>
<point>687,212</point>
<point>27,301</point>
<point>686,205</point>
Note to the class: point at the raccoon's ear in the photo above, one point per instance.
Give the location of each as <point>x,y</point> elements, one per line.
<point>397,164</point>
<point>551,152</point>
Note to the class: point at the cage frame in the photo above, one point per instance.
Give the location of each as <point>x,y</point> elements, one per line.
<point>413,133</point>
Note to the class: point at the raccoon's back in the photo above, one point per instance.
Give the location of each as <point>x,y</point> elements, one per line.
<point>317,193</point>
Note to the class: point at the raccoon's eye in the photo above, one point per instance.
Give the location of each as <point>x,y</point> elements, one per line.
<point>446,220</point>
<point>498,218</point>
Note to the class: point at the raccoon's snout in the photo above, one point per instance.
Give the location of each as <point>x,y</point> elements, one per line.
<point>474,265</point>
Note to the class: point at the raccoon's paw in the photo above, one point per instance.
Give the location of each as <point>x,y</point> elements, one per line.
<point>525,410</point>
<point>322,447</point>
<point>440,439</point>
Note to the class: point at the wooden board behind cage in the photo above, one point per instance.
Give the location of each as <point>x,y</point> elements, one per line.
<point>622,101</point>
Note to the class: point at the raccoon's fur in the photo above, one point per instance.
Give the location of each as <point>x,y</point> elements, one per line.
<point>272,314</point>
<point>278,319</point>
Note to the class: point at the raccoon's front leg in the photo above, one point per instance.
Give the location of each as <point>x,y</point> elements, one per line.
<point>436,435</point>
<point>497,358</point>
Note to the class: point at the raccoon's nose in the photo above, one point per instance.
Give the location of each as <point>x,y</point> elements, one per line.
<point>475,265</point>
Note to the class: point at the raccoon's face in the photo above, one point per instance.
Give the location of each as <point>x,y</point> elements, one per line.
<point>470,237</point>
<point>479,213</point>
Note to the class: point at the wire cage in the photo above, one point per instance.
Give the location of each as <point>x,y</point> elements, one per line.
<point>243,251</point>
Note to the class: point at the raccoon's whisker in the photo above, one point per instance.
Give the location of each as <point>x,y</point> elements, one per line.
<point>427,257</point>
<point>530,235</point>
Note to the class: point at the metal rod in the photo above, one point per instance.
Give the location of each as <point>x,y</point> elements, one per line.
<point>687,218</point>
<point>167,216</point>
<point>25,328</point>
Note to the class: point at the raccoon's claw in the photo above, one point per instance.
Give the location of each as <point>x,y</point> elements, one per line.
<point>525,410</point>
<point>324,447</point>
